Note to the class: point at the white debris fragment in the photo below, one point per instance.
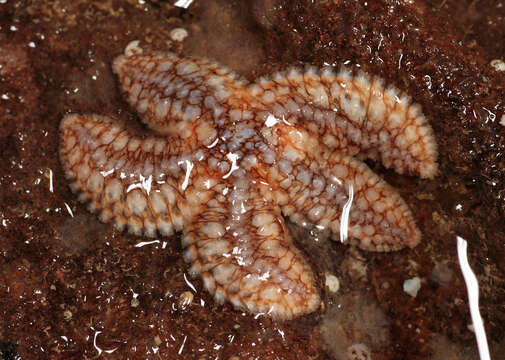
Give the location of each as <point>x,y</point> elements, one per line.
<point>502,120</point>
<point>498,64</point>
<point>133,48</point>
<point>412,286</point>
<point>183,3</point>
<point>178,34</point>
<point>332,282</point>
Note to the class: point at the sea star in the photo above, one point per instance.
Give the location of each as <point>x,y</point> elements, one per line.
<point>230,159</point>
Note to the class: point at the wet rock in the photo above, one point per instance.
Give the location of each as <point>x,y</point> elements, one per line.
<point>76,234</point>
<point>18,94</point>
<point>266,12</point>
<point>224,33</point>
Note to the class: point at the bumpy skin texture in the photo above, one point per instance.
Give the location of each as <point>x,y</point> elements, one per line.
<point>231,158</point>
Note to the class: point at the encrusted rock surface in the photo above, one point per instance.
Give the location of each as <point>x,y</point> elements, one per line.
<point>73,287</point>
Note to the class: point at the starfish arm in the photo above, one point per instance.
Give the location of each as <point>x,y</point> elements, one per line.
<point>355,114</point>
<point>241,248</point>
<point>131,180</point>
<point>319,191</point>
<point>171,94</point>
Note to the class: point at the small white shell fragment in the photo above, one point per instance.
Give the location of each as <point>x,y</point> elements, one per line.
<point>185,300</point>
<point>133,48</point>
<point>502,120</point>
<point>178,34</point>
<point>412,286</point>
<point>498,64</point>
<point>359,352</point>
<point>332,283</point>
<point>134,302</point>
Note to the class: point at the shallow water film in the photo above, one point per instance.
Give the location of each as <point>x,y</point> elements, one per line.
<point>115,283</point>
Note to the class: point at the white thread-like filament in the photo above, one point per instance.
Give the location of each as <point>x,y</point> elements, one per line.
<point>473,298</point>
<point>344,220</point>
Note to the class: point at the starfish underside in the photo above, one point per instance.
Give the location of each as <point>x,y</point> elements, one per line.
<point>230,159</point>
